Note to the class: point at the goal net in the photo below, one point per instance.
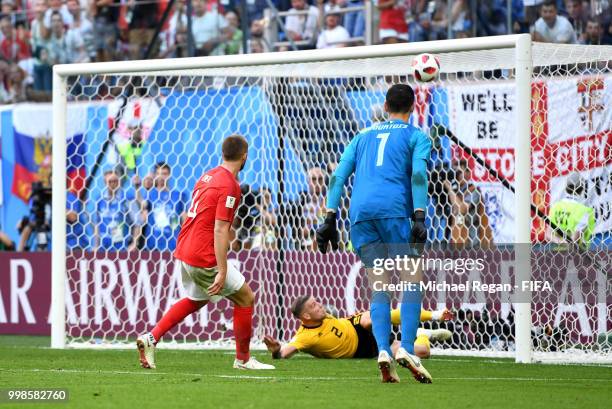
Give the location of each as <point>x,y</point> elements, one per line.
<point>146,131</point>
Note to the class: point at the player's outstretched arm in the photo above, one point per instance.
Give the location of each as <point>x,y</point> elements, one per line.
<point>344,170</point>
<point>420,157</point>
<point>278,351</point>
<point>328,232</point>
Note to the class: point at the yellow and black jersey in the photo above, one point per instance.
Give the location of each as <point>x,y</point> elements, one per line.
<point>334,338</point>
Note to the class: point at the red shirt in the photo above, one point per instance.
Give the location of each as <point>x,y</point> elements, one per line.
<point>394,18</point>
<point>215,196</point>
<point>14,50</point>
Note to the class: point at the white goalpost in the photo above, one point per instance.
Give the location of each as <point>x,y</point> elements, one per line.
<point>521,117</point>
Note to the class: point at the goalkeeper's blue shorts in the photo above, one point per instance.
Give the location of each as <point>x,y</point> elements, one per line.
<point>381,238</point>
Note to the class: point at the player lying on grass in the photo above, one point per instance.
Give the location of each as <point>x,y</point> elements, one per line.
<point>202,253</point>
<point>325,336</point>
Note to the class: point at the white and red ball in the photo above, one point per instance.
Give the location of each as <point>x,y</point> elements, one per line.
<point>426,67</point>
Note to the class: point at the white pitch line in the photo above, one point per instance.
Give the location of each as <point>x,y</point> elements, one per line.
<point>511,362</point>
<point>299,378</point>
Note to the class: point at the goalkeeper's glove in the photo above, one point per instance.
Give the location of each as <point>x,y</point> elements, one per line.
<point>418,236</point>
<point>327,233</point>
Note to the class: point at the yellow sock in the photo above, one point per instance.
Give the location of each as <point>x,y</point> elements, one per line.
<point>395,317</point>
<point>426,315</point>
<point>422,340</point>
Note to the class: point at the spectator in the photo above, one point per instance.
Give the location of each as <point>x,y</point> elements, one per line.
<point>519,25</point>
<point>79,35</point>
<point>12,49</point>
<point>354,22</point>
<point>148,181</point>
<point>309,211</point>
<point>43,74</point>
<point>57,45</point>
<point>234,45</point>
<point>75,46</point>
<point>439,21</point>
<point>56,6</point>
<point>532,10</point>
<point>75,222</point>
<point>142,21</point>
<point>6,244</point>
<point>302,27</point>
<point>460,20</point>
<point>5,95</point>
<point>258,41</point>
<point>246,223</point>
<point>166,211</point>
<point>105,15</point>
<point>574,220</point>
<point>266,231</point>
<point>35,228</point>
<point>17,87</point>
<point>593,33</point>
<point>469,222</point>
<point>9,8</point>
<point>578,16</point>
<point>552,28</point>
<point>255,9</point>
<point>334,35</point>
<point>210,30</point>
<point>492,17</point>
<point>174,39</point>
<point>38,31</point>
<point>419,23</point>
<point>392,24</point>
<point>431,21</point>
<point>257,46</point>
<point>112,218</point>
<point>130,151</point>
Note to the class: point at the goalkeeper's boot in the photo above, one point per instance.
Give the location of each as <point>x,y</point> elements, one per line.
<point>388,371</point>
<point>413,363</point>
<point>439,335</point>
<point>252,364</point>
<point>146,350</point>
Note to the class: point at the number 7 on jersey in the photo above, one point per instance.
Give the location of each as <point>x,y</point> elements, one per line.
<point>381,147</point>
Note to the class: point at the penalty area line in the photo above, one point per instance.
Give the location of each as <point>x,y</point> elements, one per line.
<point>298,378</point>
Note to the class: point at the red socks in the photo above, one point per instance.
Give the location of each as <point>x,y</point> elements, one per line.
<point>175,315</point>
<point>243,324</point>
<point>243,328</point>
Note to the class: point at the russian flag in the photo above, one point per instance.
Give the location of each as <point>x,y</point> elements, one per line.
<point>32,162</point>
<point>76,174</point>
<point>33,146</point>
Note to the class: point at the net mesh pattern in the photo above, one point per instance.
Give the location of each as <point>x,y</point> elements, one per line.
<point>148,137</point>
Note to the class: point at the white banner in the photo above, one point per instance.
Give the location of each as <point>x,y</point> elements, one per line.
<point>578,108</point>
<point>577,130</point>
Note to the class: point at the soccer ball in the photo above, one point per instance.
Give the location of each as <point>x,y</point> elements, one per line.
<point>426,67</point>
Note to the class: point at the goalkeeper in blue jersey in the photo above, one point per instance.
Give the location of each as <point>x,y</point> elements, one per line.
<point>387,214</point>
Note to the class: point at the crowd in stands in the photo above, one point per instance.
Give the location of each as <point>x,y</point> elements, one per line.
<point>37,34</point>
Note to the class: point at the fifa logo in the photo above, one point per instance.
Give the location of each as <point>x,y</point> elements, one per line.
<point>591,101</point>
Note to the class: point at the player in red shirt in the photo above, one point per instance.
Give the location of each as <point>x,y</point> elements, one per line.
<point>202,252</point>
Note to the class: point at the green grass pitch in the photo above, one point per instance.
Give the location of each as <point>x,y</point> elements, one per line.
<point>205,379</point>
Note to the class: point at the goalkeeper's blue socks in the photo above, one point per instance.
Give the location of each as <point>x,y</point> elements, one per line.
<point>410,315</point>
<point>380,312</point>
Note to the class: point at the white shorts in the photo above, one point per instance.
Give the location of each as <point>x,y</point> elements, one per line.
<point>196,281</point>
<point>389,32</point>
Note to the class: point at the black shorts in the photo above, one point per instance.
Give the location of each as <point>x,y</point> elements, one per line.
<point>366,343</point>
